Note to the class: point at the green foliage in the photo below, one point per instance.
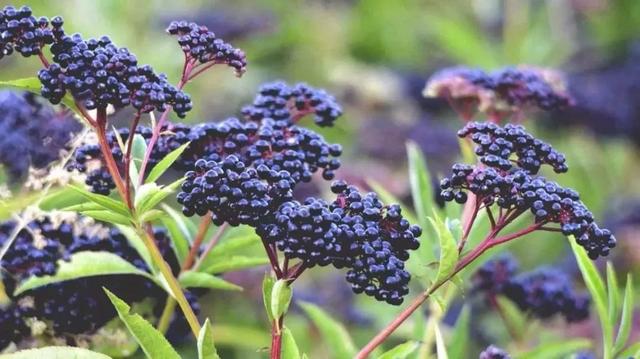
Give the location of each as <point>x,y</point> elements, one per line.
<point>290,348</point>
<point>32,84</point>
<point>55,353</point>
<point>448,249</point>
<point>180,230</point>
<point>459,342</point>
<point>400,351</point>
<point>192,279</point>
<point>441,348</point>
<point>334,333</point>
<point>206,344</point>
<point>152,342</point>
<point>267,288</point>
<point>557,349</point>
<point>83,264</point>
<point>234,263</point>
<point>164,164</point>
<point>281,294</point>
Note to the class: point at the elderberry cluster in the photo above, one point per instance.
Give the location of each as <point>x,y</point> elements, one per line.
<point>22,32</point>
<point>520,190</point>
<point>356,231</point>
<point>543,292</point>
<point>33,133</point>
<point>200,44</point>
<point>505,90</point>
<point>496,145</point>
<point>279,101</point>
<point>76,306</point>
<point>98,73</point>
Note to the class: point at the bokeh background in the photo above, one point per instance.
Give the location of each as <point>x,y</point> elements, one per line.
<point>375,56</point>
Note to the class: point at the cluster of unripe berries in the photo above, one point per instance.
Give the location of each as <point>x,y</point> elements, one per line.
<point>201,45</point>
<point>22,32</point>
<point>355,231</point>
<point>543,292</point>
<point>71,307</point>
<point>33,133</point>
<point>505,90</point>
<point>516,187</point>
<point>279,101</point>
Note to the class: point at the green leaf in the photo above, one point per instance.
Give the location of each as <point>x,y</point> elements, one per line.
<point>400,351</point>
<point>289,346</point>
<point>234,263</point>
<point>83,264</point>
<point>165,163</point>
<point>137,243</point>
<point>281,294</point>
<point>33,85</point>
<point>106,202</point>
<point>206,344</point>
<point>632,351</point>
<point>245,337</point>
<point>421,190</point>
<point>152,215</point>
<point>267,289</point>
<point>83,207</point>
<point>138,149</point>
<point>178,228</point>
<point>441,348</point>
<point>458,344</point>
<point>55,353</point>
<point>229,246</point>
<point>598,291</point>
<point>334,333</point>
<point>144,193</point>
<point>515,318</point>
<point>61,198</point>
<point>108,216</point>
<point>613,289</point>
<point>192,279</point>
<point>157,197</point>
<point>448,249</point>
<point>152,342</point>
<point>627,316</point>
<point>556,349</point>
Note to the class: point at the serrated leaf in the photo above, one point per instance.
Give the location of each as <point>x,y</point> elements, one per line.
<point>458,344</point>
<point>598,291</point>
<point>557,349</point>
<point>441,348</point>
<point>179,232</point>
<point>334,333</point>
<point>290,348</point>
<point>55,353</point>
<point>281,294</point>
<point>137,243</point>
<point>206,344</point>
<point>108,216</point>
<point>627,316</point>
<point>448,249</point>
<point>234,263</point>
<point>164,164</point>
<point>192,279</point>
<point>152,342</point>
<point>613,291</point>
<point>83,264</point>
<point>420,181</point>
<point>106,202</point>
<point>400,351</point>
<point>267,289</point>
<point>33,85</point>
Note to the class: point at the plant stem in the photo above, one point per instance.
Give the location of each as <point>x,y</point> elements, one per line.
<point>214,240</point>
<point>205,223</point>
<point>171,280</point>
<point>167,313</point>
<point>276,338</point>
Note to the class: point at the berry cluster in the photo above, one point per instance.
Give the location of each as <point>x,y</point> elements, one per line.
<point>71,307</point>
<point>201,45</point>
<point>33,133</point>
<point>543,292</point>
<point>279,101</point>
<point>507,90</point>
<point>20,31</point>
<point>98,73</point>
<point>355,231</point>
<point>496,145</point>
<point>518,189</point>
<point>493,352</point>
<point>546,292</point>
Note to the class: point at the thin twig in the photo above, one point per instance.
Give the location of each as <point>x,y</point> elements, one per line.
<point>212,242</point>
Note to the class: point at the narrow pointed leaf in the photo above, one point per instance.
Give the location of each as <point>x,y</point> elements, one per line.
<point>157,197</point>
<point>144,193</point>
<point>152,342</point>
<point>192,279</point>
<point>55,353</point>
<point>333,332</point>
<point>33,85</point>
<point>61,198</point>
<point>458,344</point>
<point>632,351</point>
<point>613,291</point>
<point>267,289</point>
<point>448,249</point>
<point>441,348</point>
<point>83,264</point>
<point>164,164</point>
<point>557,350</point>
<point>420,183</point>
<point>106,202</point>
<point>206,344</point>
<point>108,216</point>
<point>179,232</point>
<point>290,348</point>
<point>236,263</point>
<point>400,351</point>
<point>627,316</point>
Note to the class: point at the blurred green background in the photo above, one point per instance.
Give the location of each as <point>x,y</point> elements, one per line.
<point>375,56</point>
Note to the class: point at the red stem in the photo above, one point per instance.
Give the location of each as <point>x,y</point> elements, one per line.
<point>214,240</point>
<point>108,156</point>
<point>276,338</point>
<point>127,156</point>
<point>205,222</point>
